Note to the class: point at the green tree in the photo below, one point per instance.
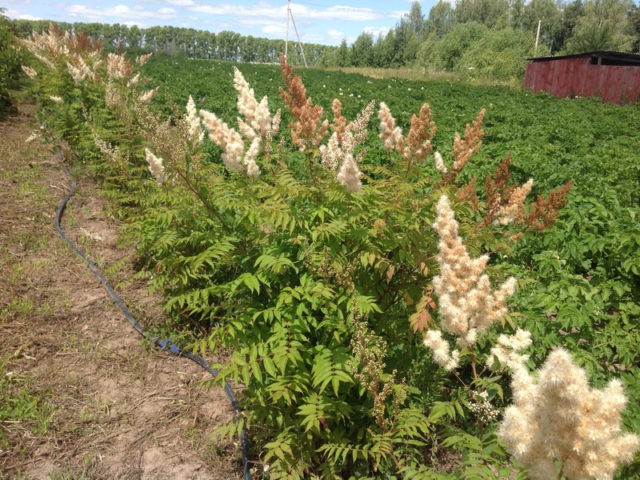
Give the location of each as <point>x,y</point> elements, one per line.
<point>491,13</point>
<point>362,50</point>
<point>414,20</point>
<point>570,15</point>
<point>634,27</point>
<point>603,26</point>
<point>228,46</point>
<point>249,49</point>
<point>516,13</point>
<point>442,18</point>
<point>452,47</point>
<point>428,52</point>
<point>9,64</point>
<point>383,50</point>
<point>550,17</point>
<point>134,37</point>
<point>500,54</point>
<point>342,54</point>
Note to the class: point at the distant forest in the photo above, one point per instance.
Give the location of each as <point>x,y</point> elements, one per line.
<point>491,38</point>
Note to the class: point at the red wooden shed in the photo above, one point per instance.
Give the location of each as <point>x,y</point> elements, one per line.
<point>612,76</point>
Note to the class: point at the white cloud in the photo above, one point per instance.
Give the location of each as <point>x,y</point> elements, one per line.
<point>20,16</point>
<point>181,3</point>
<point>376,31</point>
<point>134,24</point>
<point>338,12</point>
<point>261,10</point>
<point>300,12</point>
<point>260,22</point>
<point>274,29</point>
<point>120,11</point>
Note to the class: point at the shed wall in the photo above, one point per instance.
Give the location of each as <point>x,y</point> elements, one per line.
<point>570,77</point>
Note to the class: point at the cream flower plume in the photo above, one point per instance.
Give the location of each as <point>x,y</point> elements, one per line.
<point>557,417</point>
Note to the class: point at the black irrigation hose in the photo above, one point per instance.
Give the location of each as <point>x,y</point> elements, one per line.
<point>166,344</point>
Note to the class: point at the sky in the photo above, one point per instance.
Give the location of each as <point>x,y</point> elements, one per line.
<point>326,22</point>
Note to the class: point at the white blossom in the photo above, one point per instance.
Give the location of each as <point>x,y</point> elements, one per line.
<point>155,165</point>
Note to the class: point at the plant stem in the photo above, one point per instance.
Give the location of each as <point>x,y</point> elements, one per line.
<point>210,208</point>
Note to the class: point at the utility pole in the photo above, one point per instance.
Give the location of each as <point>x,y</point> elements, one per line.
<point>535,51</point>
<point>286,42</point>
<point>286,38</point>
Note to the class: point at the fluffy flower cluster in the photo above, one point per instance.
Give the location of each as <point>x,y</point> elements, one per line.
<point>308,129</point>
<point>359,126</point>
<point>334,152</point>
<point>55,47</point>
<point>32,137</point>
<point>257,120</point>
<point>558,417</point>
<point>256,126</point>
<point>417,145</point>
<point>118,66</point>
<point>441,351</point>
<point>234,157</point>
<point>142,59</point>
<point>338,153</point>
<point>194,127</point>
<point>147,96</point>
<point>467,303</point>
<point>49,44</point>
<point>349,174</point>
<point>514,207</point>
<point>111,97</point>
<point>80,70</point>
<point>156,166</point>
<point>465,147</point>
<point>390,134</point>
<point>31,73</point>
<point>439,162</point>
<point>507,350</point>
<point>111,152</point>
<point>133,81</point>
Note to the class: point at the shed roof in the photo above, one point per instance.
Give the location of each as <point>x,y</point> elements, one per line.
<point>601,57</point>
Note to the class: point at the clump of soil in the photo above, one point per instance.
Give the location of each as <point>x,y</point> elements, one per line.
<point>114,407</point>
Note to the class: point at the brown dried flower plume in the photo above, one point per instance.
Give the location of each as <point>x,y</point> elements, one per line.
<point>308,129</point>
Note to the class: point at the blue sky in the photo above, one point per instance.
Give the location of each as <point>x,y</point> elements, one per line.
<point>318,21</point>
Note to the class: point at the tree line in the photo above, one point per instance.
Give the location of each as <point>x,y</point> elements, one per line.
<point>491,38</point>
<point>495,37</point>
<point>189,42</point>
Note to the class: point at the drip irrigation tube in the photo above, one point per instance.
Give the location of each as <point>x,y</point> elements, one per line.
<point>165,344</point>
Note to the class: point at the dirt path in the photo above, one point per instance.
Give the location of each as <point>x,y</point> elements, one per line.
<point>102,404</point>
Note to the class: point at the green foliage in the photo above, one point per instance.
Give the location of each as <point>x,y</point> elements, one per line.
<point>275,282</point>
<point>10,60</point>
<point>604,26</point>
<point>457,42</point>
<point>476,51</point>
<point>502,55</point>
<point>306,289</point>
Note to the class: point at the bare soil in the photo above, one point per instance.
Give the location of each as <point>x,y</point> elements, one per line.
<point>116,408</point>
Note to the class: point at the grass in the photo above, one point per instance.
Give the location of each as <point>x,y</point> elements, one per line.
<point>17,306</point>
<point>19,405</point>
<point>424,74</point>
